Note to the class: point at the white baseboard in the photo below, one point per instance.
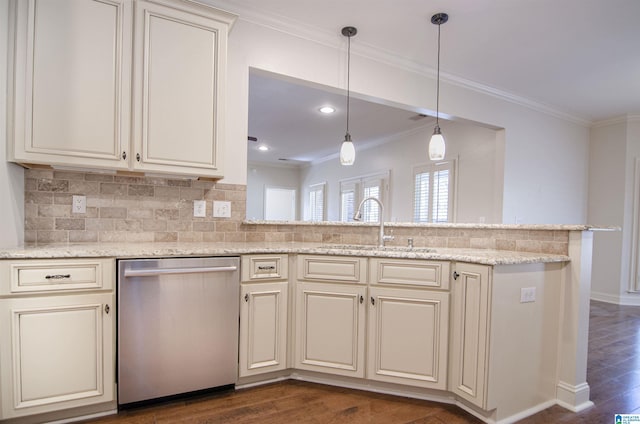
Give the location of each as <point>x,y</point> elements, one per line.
<point>627,299</point>
<point>573,398</point>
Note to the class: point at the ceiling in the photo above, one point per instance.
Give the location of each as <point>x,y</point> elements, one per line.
<point>576,58</point>
<point>295,132</point>
<point>581,57</point>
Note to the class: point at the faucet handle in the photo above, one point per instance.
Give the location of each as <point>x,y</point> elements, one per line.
<point>388,237</point>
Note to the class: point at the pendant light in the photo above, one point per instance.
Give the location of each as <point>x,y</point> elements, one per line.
<point>436,144</point>
<point>347,151</point>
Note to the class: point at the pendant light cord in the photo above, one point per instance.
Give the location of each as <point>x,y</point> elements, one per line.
<point>348,78</point>
<point>438,82</point>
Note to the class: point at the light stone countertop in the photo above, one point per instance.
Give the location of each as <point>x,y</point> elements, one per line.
<point>149,250</point>
<point>476,226</point>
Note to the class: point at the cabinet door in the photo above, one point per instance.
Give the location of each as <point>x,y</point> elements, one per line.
<point>179,78</point>
<point>70,97</point>
<point>330,325</point>
<point>263,328</point>
<point>408,332</point>
<point>57,353</point>
<point>469,360</point>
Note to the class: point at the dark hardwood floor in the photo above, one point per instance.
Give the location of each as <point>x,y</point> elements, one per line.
<point>613,374</point>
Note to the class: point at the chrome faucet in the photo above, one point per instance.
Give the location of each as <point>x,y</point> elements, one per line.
<point>358,216</point>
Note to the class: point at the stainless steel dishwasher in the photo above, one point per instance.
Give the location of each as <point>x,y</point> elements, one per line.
<point>177,326</point>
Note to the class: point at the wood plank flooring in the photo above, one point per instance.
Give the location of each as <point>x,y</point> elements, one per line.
<point>613,374</point>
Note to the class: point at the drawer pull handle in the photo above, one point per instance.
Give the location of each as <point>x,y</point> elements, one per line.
<point>107,309</point>
<point>266,267</point>
<point>58,276</point>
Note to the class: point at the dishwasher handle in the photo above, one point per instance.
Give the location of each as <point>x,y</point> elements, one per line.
<point>150,272</point>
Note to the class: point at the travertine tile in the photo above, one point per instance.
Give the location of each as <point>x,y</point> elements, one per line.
<point>69,224</point>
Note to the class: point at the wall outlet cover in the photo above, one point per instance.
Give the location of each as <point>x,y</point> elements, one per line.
<point>200,208</point>
<point>527,294</point>
<point>221,209</point>
<point>79,204</point>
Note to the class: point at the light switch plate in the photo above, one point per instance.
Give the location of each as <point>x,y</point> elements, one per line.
<point>200,208</point>
<point>221,209</point>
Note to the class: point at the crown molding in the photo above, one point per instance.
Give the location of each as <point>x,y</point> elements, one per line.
<point>622,119</point>
<point>320,36</point>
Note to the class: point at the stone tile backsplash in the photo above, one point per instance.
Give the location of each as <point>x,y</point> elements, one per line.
<point>127,209</point>
<point>122,208</point>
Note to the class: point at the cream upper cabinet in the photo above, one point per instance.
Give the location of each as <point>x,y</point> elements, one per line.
<point>71,90</point>
<point>408,332</point>
<point>178,87</point>
<point>118,84</point>
<point>57,336</point>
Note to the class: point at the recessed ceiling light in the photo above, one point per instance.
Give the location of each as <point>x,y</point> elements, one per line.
<point>263,148</point>
<point>327,109</point>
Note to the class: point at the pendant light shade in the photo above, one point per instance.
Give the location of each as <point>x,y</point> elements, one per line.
<point>437,146</point>
<point>347,150</point>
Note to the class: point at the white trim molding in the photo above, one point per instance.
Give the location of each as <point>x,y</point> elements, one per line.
<point>573,398</point>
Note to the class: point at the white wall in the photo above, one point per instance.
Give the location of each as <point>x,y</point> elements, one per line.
<point>614,146</point>
<point>473,146</point>
<point>11,175</point>
<point>260,177</point>
<point>545,157</point>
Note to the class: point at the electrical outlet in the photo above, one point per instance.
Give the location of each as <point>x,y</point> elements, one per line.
<point>200,208</point>
<point>527,294</point>
<point>79,204</point>
<point>221,209</point>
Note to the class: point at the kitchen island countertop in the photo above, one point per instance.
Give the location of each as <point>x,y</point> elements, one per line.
<point>150,250</point>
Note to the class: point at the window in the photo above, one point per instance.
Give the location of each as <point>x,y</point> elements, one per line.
<point>316,202</point>
<point>433,195</point>
<point>279,204</point>
<point>347,201</point>
<point>352,192</point>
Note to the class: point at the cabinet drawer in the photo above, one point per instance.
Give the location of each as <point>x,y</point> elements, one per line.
<point>332,268</point>
<point>410,272</point>
<point>28,276</point>
<point>264,267</point>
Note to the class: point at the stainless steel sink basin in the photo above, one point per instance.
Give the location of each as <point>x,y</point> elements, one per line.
<point>384,248</point>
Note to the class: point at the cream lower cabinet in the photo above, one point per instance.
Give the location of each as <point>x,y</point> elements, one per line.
<point>264,298</point>
<point>408,332</point>
<point>469,351</point>
<point>263,328</point>
<point>330,328</point>
<point>57,333</point>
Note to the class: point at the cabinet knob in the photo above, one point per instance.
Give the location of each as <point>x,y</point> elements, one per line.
<point>138,157</point>
<point>373,301</point>
<point>455,275</point>
<point>124,155</point>
<point>246,297</point>
<point>107,309</point>
<point>361,299</point>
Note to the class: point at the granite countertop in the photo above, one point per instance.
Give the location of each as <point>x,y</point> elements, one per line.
<point>148,250</point>
<point>478,226</point>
